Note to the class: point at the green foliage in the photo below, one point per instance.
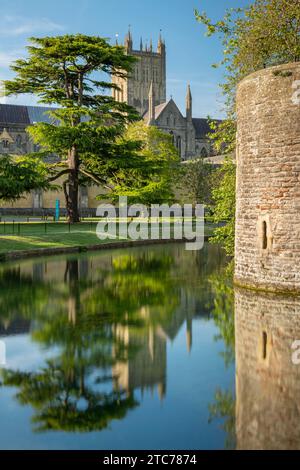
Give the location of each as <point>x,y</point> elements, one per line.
<point>150,179</point>
<point>223,310</point>
<point>195,181</point>
<point>85,129</point>
<point>21,175</point>
<point>224,403</point>
<point>224,206</point>
<point>224,408</point>
<point>223,136</point>
<point>263,34</point>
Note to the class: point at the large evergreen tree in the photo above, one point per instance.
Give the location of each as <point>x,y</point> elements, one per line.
<point>70,72</point>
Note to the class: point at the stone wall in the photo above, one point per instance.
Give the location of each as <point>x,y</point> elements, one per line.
<point>44,202</point>
<point>268,179</point>
<point>267,381</point>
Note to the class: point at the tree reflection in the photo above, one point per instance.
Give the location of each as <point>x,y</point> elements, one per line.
<point>104,321</point>
<point>223,406</point>
<point>64,402</point>
<point>82,316</point>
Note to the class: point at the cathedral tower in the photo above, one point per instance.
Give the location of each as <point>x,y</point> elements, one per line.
<point>150,68</point>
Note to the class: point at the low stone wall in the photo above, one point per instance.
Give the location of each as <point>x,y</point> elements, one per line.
<point>40,252</point>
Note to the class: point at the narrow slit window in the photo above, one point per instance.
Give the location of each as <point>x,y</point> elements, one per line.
<point>264,235</point>
<point>265,346</point>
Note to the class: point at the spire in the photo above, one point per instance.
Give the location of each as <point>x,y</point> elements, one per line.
<point>128,40</point>
<point>189,334</point>
<point>161,48</point>
<point>160,41</point>
<point>151,45</point>
<point>141,44</point>
<point>189,104</point>
<point>151,110</point>
<point>161,390</point>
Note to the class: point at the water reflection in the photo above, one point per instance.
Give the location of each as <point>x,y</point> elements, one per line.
<point>267,382</point>
<point>115,333</point>
<point>106,321</point>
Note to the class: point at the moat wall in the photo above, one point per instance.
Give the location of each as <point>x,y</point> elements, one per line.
<point>268,180</point>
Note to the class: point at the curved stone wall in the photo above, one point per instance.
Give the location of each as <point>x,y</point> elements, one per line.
<point>268,179</point>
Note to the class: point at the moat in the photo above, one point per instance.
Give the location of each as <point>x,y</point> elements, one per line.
<point>136,349</point>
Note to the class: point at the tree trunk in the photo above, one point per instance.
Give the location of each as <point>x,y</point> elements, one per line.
<point>73,187</point>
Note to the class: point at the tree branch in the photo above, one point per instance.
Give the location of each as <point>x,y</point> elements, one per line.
<point>61,173</point>
<point>95,179</point>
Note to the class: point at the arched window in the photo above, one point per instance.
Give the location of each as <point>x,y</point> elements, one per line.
<point>204,153</point>
<point>5,144</point>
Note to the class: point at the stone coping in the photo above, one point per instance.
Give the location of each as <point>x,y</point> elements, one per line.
<point>274,68</point>
<point>40,252</point>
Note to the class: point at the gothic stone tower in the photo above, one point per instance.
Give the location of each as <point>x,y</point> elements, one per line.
<point>150,68</point>
<point>268,180</point>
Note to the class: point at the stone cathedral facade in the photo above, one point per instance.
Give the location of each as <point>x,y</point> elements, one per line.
<point>146,90</point>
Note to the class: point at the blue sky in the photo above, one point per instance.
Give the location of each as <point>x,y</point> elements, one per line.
<point>189,53</point>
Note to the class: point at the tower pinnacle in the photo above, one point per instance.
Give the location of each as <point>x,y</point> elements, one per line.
<point>189,104</point>
<point>128,40</point>
<point>151,111</point>
<point>161,47</point>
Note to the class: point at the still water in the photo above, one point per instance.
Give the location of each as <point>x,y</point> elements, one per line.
<point>135,349</point>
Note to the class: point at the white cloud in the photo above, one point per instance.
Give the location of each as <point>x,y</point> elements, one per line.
<point>177,82</point>
<point>18,25</point>
<point>6,58</point>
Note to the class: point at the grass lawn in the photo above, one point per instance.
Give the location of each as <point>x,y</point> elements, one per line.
<point>32,236</point>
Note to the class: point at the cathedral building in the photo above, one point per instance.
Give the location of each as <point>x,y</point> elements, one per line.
<point>146,90</point>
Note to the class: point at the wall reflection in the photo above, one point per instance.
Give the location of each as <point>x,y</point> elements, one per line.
<point>267,382</point>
